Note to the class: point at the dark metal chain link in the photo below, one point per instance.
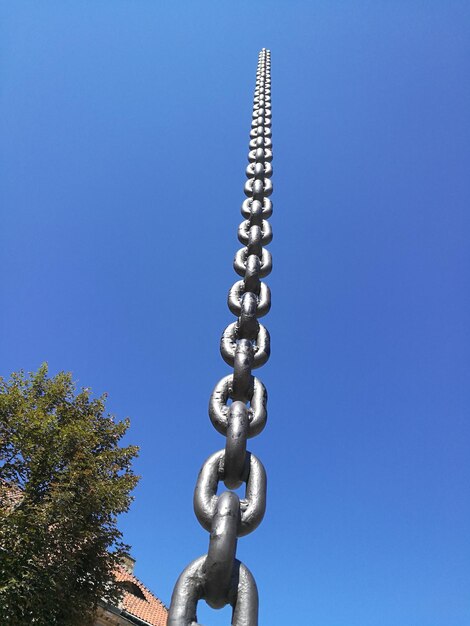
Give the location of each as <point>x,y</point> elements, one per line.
<point>237,406</point>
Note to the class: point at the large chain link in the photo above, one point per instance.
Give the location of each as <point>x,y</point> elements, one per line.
<point>237,406</point>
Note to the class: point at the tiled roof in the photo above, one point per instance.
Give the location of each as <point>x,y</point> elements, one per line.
<point>137,601</point>
<point>141,603</point>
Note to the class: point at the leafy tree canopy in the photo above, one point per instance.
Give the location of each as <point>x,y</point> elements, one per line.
<point>64,478</point>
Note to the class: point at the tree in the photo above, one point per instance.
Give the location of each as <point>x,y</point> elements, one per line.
<point>63,481</point>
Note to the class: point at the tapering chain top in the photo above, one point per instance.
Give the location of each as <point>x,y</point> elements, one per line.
<point>237,406</point>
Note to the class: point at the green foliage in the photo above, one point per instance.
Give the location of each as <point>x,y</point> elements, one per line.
<point>63,481</point>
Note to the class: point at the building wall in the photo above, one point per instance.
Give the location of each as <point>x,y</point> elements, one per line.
<point>105,617</point>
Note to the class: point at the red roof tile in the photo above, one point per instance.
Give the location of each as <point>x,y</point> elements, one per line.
<point>142,604</point>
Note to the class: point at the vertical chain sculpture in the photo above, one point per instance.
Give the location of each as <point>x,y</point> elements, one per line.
<point>237,406</point>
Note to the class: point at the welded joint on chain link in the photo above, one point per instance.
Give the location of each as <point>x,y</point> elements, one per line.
<point>252,506</point>
<point>243,263</point>
<point>239,289</point>
<point>190,588</point>
<point>257,411</point>
<point>230,339</point>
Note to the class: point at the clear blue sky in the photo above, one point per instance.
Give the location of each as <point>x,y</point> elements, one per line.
<point>124,139</point>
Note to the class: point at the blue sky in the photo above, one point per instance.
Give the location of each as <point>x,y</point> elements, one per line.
<point>125,134</point>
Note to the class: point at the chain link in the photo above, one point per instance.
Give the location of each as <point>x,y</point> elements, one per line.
<point>237,406</point>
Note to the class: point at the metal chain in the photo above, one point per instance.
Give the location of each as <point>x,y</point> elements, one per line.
<point>237,406</point>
